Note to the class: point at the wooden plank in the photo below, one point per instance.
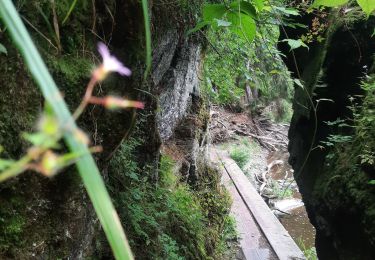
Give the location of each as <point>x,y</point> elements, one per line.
<point>280,240</point>
<point>252,241</point>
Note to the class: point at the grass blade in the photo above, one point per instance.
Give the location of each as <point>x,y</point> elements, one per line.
<point>73,5</point>
<point>146,18</point>
<point>87,168</point>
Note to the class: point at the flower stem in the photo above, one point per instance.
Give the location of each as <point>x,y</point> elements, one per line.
<point>85,101</point>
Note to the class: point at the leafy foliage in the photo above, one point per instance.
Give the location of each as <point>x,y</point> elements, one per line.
<point>240,156</point>
<point>169,218</point>
<point>232,64</point>
<point>364,121</point>
<point>368,6</point>
<point>241,152</point>
<point>310,253</point>
<point>294,44</point>
<point>239,17</point>
<point>353,143</point>
<point>330,3</point>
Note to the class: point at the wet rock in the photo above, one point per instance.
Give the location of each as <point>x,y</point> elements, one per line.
<point>337,199</point>
<point>287,205</point>
<point>180,87</point>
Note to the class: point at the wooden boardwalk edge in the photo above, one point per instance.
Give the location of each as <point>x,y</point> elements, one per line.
<point>277,236</point>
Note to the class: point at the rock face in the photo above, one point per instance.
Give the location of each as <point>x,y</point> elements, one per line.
<point>336,193</point>
<point>181,82</point>
<point>50,219</point>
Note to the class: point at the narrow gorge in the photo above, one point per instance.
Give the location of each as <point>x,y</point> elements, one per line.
<point>235,76</point>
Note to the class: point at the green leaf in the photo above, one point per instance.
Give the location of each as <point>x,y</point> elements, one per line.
<point>72,6</point>
<point>87,168</point>
<point>242,25</point>
<point>325,99</point>
<point>259,5</point>
<point>36,139</point>
<point>275,72</point>
<point>198,27</point>
<point>212,11</point>
<point>372,182</point>
<point>244,7</point>
<point>287,11</point>
<point>330,3</point>
<point>368,6</point>
<point>222,23</point>
<point>298,83</point>
<point>294,44</point>
<point>3,49</point>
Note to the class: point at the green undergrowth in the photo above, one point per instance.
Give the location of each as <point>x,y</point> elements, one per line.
<point>353,141</point>
<point>232,65</point>
<point>310,253</point>
<point>281,192</point>
<point>349,170</point>
<point>167,219</point>
<point>241,151</point>
<point>11,225</point>
<point>279,111</point>
<point>240,156</point>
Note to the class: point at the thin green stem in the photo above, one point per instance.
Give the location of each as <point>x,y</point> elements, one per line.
<point>16,169</point>
<point>85,101</point>
<point>73,5</point>
<point>147,22</point>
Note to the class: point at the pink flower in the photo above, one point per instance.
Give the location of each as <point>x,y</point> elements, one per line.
<point>110,64</point>
<point>112,102</point>
<point>115,102</point>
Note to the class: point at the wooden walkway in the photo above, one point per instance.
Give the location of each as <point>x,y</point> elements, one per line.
<point>262,235</point>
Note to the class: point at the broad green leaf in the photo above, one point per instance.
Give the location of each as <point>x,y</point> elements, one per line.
<point>3,49</point>
<point>368,6</point>
<point>259,4</point>
<point>199,26</point>
<point>243,25</point>
<point>294,44</point>
<point>223,23</point>
<point>330,3</point>
<point>372,182</point>
<point>287,11</point>
<point>244,7</point>
<point>212,11</point>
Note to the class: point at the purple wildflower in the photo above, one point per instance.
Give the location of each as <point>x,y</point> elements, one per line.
<point>110,64</point>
